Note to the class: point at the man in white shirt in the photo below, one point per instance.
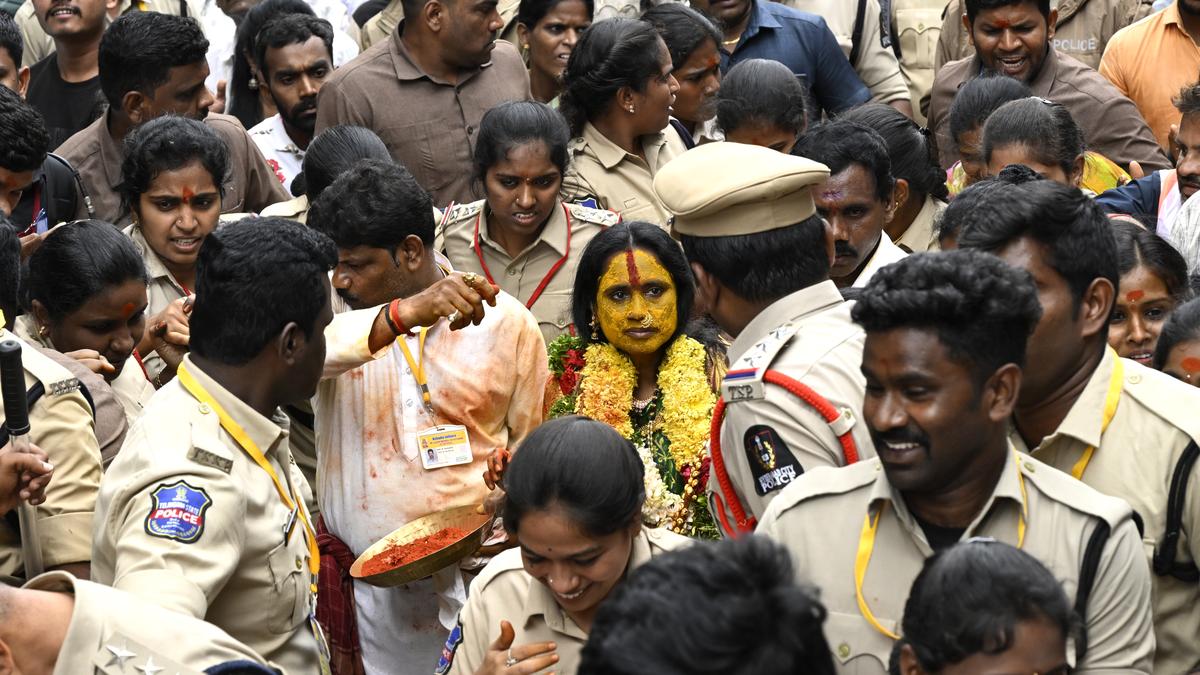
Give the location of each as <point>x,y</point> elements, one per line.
<point>295,56</point>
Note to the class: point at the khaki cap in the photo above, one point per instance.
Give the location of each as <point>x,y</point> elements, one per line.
<point>725,189</point>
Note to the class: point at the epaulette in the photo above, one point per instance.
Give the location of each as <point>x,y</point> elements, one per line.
<point>601,217</point>
<point>826,481</point>
<point>457,212</point>
<point>122,654</point>
<point>743,381</point>
<point>1064,489</point>
<point>1165,397</point>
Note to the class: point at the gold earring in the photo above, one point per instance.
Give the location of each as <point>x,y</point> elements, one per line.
<point>595,329</point>
<point>630,109</point>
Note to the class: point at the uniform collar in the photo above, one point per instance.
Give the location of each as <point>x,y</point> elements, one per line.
<point>407,68</point>
<point>610,154</point>
<point>265,432</point>
<point>553,235</point>
<point>155,267</point>
<point>539,600</point>
<point>1008,488</point>
<point>816,298</point>
<point>1085,419</point>
<point>921,231</point>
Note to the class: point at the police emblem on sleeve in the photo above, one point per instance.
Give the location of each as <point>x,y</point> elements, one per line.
<point>452,643</point>
<point>177,512</point>
<point>771,462</point>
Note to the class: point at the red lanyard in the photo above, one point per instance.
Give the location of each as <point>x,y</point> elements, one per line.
<point>537,292</point>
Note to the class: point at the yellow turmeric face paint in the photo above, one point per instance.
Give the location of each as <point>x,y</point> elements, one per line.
<point>636,303</point>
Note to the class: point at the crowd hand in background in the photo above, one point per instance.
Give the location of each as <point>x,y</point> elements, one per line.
<point>24,476</point>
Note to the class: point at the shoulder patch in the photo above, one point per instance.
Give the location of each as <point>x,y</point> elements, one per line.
<point>585,200</point>
<point>771,461</point>
<point>177,512</point>
<point>206,458</point>
<point>63,387</point>
<point>449,649</point>
<point>591,214</point>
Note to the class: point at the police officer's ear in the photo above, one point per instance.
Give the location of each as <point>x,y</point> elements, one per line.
<point>290,343</point>
<point>1096,308</point>
<point>900,195</point>
<point>435,13</point>
<point>999,395</point>
<point>908,661</point>
<point>893,201</point>
<point>8,664</point>
<point>708,290</point>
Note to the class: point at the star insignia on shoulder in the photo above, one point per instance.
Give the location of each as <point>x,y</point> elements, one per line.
<point>149,668</point>
<point>119,655</point>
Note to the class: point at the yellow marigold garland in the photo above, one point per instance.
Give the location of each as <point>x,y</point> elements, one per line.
<point>606,387</point>
<point>687,403</point>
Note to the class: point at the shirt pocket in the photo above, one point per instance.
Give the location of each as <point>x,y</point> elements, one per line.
<point>857,647</point>
<point>289,609</point>
<point>918,30</point>
<point>553,312</point>
<point>428,150</point>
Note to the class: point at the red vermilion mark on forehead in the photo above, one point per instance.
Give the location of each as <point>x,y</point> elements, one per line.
<point>1002,24</point>
<point>1190,364</point>
<point>631,267</point>
<point>713,62</point>
<point>1135,295</point>
<point>127,310</point>
<point>831,195</point>
<point>187,194</point>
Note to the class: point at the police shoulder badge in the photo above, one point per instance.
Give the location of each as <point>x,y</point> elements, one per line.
<point>771,462</point>
<point>452,643</point>
<point>177,512</point>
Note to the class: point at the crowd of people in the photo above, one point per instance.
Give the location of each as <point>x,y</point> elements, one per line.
<point>813,336</point>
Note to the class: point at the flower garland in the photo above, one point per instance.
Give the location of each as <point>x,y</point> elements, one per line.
<point>598,381</point>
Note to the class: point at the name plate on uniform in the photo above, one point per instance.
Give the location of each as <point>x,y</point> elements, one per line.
<point>442,446</point>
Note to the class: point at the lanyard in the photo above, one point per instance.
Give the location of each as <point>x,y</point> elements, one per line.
<point>866,544</point>
<point>1110,410</point>
<point>418,367</point>
<point>234,429</point>
<point>537,292</point>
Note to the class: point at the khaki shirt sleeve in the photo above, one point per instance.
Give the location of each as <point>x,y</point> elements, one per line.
<point>61,425</point>
<point>525,407</point>
<point>805,434</point>
<point>467,650</point>
<point>183,577</point>
<point>877,65</point>
<point>1119,620</point>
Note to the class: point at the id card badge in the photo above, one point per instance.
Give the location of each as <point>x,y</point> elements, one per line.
<point>445,445</point>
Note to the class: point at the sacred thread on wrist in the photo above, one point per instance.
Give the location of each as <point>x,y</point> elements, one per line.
<point>392,316</point>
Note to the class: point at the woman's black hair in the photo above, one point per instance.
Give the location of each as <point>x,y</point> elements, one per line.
<point>611,54</point>
<point>1139,246</point>
<point>515,123</point>
<point>760,91</point>
<point>683,29</point>
<point>1182,326</point>
<point>1045,128</point>
<point>969,598</point>
<point>581,466</point>
<point>244,102</point>
<point>979,98</point>
<point>335,150</point>
<point>908,146</point>
<point>165,144</point>
<point>79,260</point>
<point>622,237</point>
<point>530,12</point>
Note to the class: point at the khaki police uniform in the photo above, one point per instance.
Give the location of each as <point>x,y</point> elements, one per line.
<point>112,632</point>
<point>60,423</point>
<point>916,26</point>
<point>921,234</point>
<point>187,520</point>
<point>1155,419</point>
<point>161,291</point>
<point>602,175</point>
<point>769,435</point>
<point>876,64</point>
<point>465,236</point>
<point>504,591</point>
<point>295,209</point>
<point>820,517</point>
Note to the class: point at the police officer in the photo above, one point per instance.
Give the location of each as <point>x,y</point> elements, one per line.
<point>523,237</point>
<point>761,259</point>
<point>1121,428</point>
<point>61,423</point>
<point>84,627</point>
<point>944,346</point>
<point>203,512</point>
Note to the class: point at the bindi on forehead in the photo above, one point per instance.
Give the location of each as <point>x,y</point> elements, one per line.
<point>127,310</point>
<point>1002,24</point>
<point>631,267</point>
<point>187,194</point>
<point>1135,295</point>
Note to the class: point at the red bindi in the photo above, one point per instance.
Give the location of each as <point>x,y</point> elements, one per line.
<point>1190,364</point>
<point>631,267</point>
<point>127,310</point>
<point>1002,24</point>
<point>1135,295</point>
<point>187,194</point>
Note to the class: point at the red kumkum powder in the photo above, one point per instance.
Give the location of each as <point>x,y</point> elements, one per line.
<point>397,555</point>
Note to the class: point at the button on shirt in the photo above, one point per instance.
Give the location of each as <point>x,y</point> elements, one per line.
<point>225,547</point>
<point>283,155</point>
<point>428,125</point>
<point>804,43</point>
<point>1135,459</point>
<point>819,519</point>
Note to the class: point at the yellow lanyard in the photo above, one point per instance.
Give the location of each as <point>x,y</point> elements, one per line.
<point>866,544</point>
<point>1110,409</point>
<point>418,367</point>
<point>239,434</point>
